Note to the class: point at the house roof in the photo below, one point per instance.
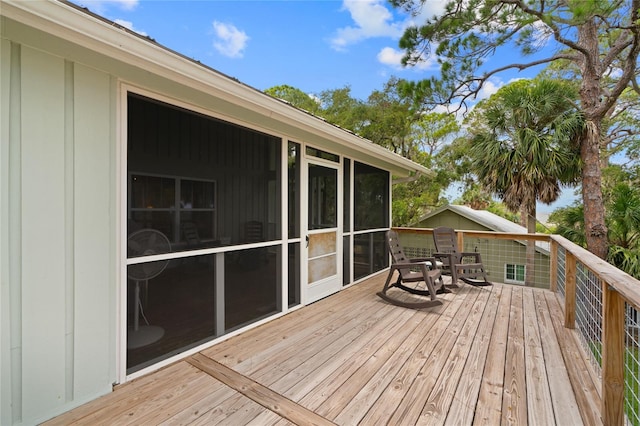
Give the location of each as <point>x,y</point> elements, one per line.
<point>79,26</point>
<point>485,218</point>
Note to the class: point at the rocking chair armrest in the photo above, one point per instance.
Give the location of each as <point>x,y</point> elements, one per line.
<point>407,263</point>
<point>432,260</point>
<point>445,255</point>
<point>429,262</point>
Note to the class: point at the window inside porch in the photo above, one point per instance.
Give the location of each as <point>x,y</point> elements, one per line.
<point>204,195</point>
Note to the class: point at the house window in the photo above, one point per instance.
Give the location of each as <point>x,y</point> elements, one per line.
<point>182,209</point>
<point>514,274</point>
<point>370,218</point>
<point>204,194</point>
<point>313,152</point>
<point>371,197</point>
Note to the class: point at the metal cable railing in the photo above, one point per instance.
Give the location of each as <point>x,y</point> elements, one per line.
<point>594,293</point>
<point>589,314</point>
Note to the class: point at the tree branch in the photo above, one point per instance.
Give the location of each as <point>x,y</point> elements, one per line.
<point>630,63</point>
<point>615,50</point>
<point>634,84</point>
<point>554,28</point>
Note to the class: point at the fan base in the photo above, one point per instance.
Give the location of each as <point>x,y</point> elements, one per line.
<point>143,336</point>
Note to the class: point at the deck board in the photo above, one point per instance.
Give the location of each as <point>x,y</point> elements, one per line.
<point>488,411</point>
<point>443,392</point>
<point>462,409</point>
<point>565,406</point>
<point>585,391</point>
<point>412,404</point>
<point>486,356</point>
<point>539,406</point>
<point>393,395</point>
<point>514,395</point>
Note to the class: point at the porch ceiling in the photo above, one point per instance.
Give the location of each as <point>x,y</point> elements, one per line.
<point>488,355</point>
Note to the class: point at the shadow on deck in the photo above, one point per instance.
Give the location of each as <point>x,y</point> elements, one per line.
<point>489,355</point>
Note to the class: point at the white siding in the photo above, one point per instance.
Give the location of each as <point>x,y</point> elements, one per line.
<point>93,216</point>
<point>58,293</point>
<point>5,295</point>
<point>43,232</point>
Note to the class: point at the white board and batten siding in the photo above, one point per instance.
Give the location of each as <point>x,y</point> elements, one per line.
<point>58,300</point>
<point>63,78</point>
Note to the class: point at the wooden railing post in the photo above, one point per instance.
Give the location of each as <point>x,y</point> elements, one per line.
<point>460,241</point>
<point>553,253</point>
<point>570,291</point>
<point>613,357</point>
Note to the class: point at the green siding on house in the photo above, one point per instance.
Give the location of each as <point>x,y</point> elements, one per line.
<point>451,220</point>
<point>495,253</point>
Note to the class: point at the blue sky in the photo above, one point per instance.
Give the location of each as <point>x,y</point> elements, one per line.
<point>313,45</point>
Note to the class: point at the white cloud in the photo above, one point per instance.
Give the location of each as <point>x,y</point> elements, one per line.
<point>126,4</point>
<point>371,19</point>
<point>230,41</point>
<point>489,87</point>
<point>390,56</point>
<point>451,109</point>
<point>100,5</point>
<point>393,58</point>
<point>428,10</point>
<point>129,25</point>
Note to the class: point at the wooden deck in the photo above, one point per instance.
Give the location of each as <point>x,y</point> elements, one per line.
<point>492,355</point>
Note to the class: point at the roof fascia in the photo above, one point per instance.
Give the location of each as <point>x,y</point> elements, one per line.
<point>80,27</point>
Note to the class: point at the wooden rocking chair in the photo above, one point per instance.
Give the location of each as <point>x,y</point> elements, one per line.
<point>466,266</point>
<point>411,271</point>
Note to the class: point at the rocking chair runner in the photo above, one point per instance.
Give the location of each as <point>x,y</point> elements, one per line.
<point>407,274</point>
<point>455,263</point>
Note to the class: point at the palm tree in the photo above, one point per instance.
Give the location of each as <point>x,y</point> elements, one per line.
<point>623,222</point>
<point>569,222</point>
<point>522,147</point>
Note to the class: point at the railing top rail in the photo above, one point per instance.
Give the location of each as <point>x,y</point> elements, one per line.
<point>623,283</point>
<point>482,234</point>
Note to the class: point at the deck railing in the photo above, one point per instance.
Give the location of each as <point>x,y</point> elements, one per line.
<point>601,303</point>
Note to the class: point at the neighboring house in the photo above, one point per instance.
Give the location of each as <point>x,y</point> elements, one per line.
<point>505,260</point>
<point>152,206</point>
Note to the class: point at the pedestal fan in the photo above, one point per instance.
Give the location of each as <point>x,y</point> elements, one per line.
<point>145,242</point>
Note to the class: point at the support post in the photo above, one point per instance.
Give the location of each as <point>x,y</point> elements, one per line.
<point>613,357</point>
<point>570,292</point>
<point>553,253</point>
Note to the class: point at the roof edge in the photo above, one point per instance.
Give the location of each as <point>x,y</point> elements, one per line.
<point>87,29</point>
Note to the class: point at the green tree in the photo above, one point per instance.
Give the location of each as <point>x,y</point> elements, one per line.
<point>601,37</point>
<point>412,200</point>
<point>569,222</point>
<point>338,107</point>
<point>521,147</point>
<point>295,97</point>
<point>623,213</point>
<point>434,130</point>
<point>521,144</point>
<point>622,201</point>
<point>621,125</point>
<point>387,120</point>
